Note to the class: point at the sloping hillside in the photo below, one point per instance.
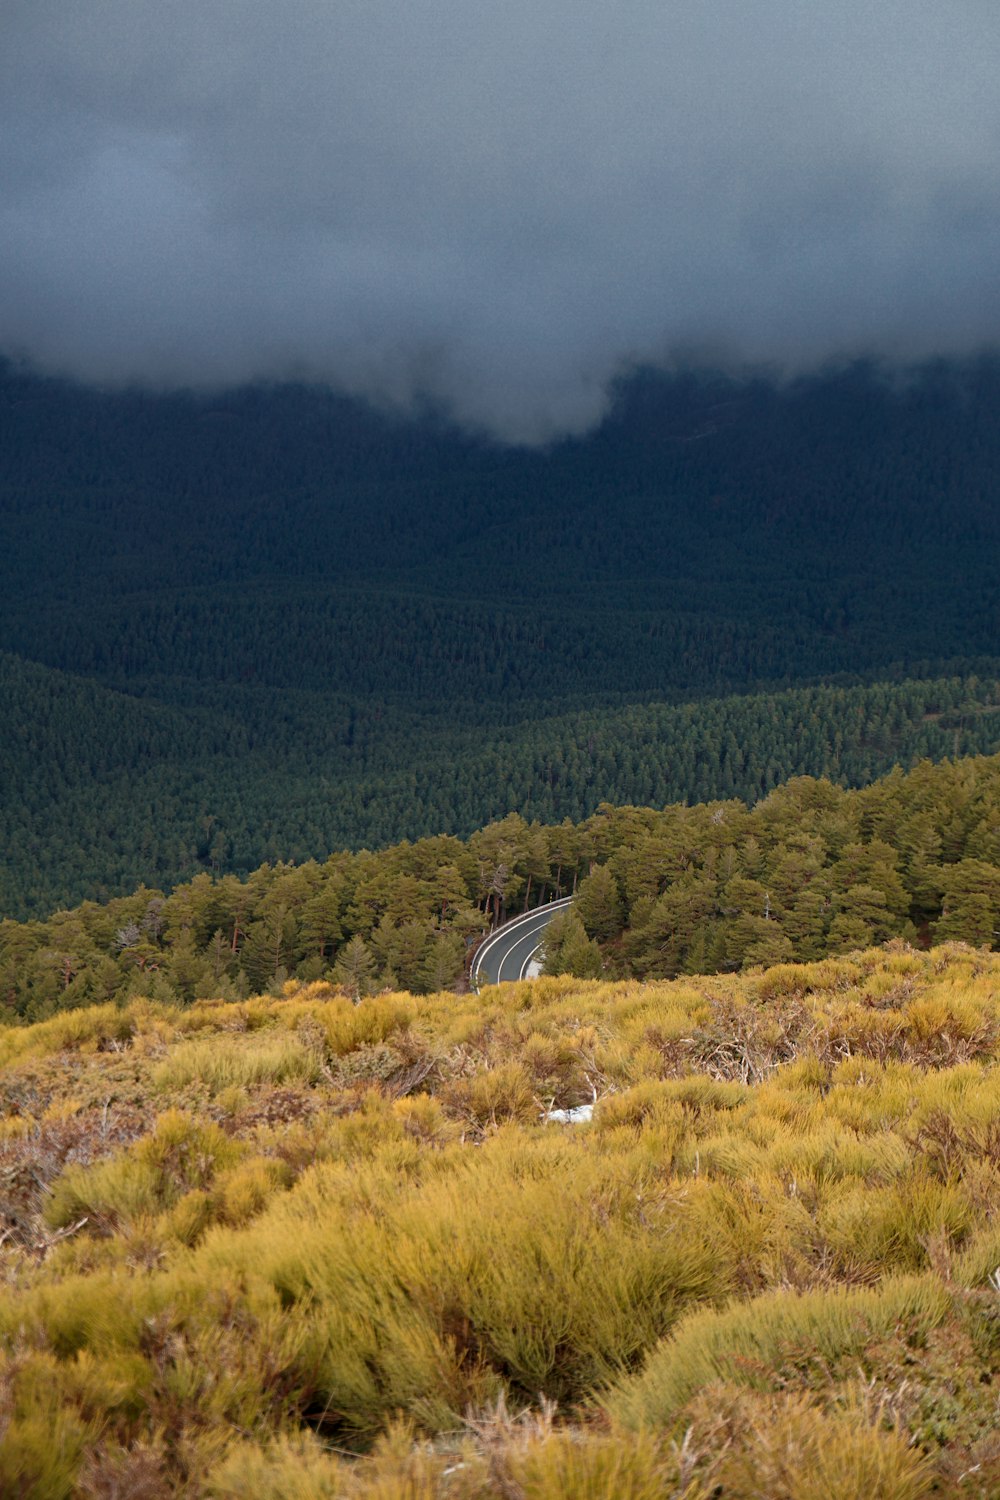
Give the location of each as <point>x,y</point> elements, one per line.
<point>811,869</point>
<point>244,1240</point>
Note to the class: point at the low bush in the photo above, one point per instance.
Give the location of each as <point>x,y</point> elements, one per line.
<point>181,1155</point>
<point>785,1447</point>
<point>238,1062</point>
<point>774,1338</point>
<point>241,1237</point>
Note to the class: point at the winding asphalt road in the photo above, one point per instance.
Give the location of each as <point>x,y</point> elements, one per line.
<point>507,955</point>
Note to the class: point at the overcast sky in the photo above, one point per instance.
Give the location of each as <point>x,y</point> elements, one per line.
<point>501,205</point>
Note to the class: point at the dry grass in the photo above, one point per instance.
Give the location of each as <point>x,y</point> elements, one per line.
<point>237,1234</point>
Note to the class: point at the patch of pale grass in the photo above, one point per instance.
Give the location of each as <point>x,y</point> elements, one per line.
<point>238,1061</point>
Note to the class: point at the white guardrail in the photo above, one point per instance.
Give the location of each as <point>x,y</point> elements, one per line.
<point>508,932</point>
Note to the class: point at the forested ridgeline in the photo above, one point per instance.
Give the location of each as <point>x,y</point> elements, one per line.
<point>692,478</point>
<point>297,1247</point>
<point>812,869</point>
<point>103,791</point>
<point>711,535</point>
<point>287,623</point>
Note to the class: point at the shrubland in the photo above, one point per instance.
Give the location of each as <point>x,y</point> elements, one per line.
<point>303,1244</point>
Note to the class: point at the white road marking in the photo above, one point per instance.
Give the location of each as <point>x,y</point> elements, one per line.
<point>527,962</point>
<point>509,930</point>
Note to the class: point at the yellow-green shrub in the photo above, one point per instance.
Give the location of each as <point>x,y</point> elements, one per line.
<point>870,1233</point>
<point>71,1030</point>
<point>180,1155</point>
<point>980,1260</point>
<point>786,1448</point>
<point>430,1289</point>
<point>374,1020</point>
<point>495,1096</point>
<point>245,1189</point>
<point>759,1343</point>
<point>238,1061</point>
<point>424,1118</point>
<point>589,1467</point>
<point>352,1255</point>
<point>290,1467</point>
<point>41,1452</point>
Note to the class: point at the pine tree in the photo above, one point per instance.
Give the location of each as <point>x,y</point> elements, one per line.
<point>355,968</point>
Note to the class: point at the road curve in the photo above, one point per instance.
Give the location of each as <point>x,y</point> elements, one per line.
<point>505,956</point>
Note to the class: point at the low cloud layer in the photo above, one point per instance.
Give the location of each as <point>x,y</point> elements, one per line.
<point>498,206</point>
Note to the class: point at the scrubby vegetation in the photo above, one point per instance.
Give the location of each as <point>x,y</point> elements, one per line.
<point>811,870</point>
<point>298,1246</point>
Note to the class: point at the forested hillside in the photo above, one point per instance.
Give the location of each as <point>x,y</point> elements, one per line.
<point>104,791</point>
<point>693,481</point>
<point>810,870</point>
<point>270,623</point>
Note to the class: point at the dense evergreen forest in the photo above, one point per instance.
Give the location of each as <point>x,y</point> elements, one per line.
<point>270,623</point>
<point>107,791</point>
<point>811,870</point>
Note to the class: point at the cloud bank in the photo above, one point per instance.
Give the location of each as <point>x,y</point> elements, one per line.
<point>497,206</point>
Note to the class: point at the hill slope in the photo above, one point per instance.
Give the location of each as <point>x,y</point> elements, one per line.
<point>104,790</point>
<point>810,870</point>
<point>244,1241</point>
<point>345,627</point>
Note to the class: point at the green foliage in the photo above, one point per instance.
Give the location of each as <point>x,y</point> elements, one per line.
<point>134,784</point>
<point>316,653</point>
<point>811,870</point>
<point>566,948</point>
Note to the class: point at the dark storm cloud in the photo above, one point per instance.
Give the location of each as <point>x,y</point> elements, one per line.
<point>497,205</point>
